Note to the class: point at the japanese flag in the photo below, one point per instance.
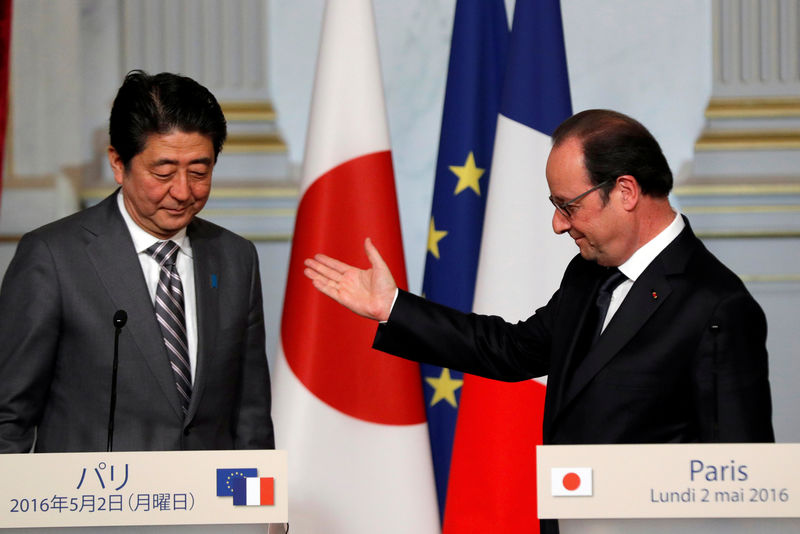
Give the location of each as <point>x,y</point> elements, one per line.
<point>353,418</point>
<point>571,481</point>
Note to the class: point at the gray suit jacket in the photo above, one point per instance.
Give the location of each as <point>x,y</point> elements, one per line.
<point>57,301</point>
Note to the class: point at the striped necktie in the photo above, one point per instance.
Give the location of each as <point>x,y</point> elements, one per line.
<point>171,318</point>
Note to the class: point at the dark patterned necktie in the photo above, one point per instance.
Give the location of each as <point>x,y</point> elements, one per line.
<point>170,315</point>
<point>603,300</point>
<point>593,322</point>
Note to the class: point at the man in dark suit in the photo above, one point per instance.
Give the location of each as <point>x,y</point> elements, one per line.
<point>670,350</point>
<point>192,370</point>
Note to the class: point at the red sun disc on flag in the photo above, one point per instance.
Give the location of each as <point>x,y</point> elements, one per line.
<point>571,481</point>
<point>329,348</point>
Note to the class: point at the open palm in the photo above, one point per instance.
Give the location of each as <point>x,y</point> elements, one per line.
<point>367,292</point>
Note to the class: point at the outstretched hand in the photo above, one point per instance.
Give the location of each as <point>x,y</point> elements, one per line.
<point>369,292</point>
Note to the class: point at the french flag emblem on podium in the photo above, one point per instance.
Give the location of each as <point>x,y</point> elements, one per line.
<point>253,491</point>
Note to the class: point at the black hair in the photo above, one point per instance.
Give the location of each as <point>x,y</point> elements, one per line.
<point>158,104</point>
<point>615,145</point>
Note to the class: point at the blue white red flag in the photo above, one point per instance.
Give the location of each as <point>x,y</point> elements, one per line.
<point>493,470</point>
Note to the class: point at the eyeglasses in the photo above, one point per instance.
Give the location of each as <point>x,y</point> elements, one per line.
<point>565,208</point>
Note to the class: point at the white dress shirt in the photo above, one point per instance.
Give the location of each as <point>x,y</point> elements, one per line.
<point>639,261</point>
<point>141,242</point>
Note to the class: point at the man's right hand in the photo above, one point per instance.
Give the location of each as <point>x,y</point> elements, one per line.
<point>369,292</point>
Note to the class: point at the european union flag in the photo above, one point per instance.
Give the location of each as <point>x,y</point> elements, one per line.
<point>225,479</point>
<point>471,106</point>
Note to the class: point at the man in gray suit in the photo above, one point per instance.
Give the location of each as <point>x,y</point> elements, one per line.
<point>192,371</point>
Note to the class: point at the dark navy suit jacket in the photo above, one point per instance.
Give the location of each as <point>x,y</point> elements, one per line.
<point>682,360</point>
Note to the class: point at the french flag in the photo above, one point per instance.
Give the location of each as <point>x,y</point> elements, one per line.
<point>253,491</point>
<point>352,418</point>
<point>493,470</point>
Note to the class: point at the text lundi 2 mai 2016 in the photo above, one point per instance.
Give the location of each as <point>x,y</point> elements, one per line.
<point>719,473</point>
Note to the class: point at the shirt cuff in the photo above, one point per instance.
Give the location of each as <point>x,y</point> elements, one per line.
<point>396,292</point>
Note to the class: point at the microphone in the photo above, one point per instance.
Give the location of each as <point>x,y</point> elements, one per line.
<point>120,318</point>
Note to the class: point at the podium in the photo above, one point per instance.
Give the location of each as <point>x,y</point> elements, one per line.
<point>170,488</point>
<point>705,488</point>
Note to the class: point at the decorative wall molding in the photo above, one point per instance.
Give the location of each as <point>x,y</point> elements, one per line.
<point>720,108</point>
<point>756,48</point>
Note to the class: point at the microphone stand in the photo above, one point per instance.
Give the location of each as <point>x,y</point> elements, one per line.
<point>120,318</point>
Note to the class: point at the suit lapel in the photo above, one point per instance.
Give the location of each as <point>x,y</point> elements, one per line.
<point>207,262</point>
<point>576,298</point>
<point>117,265</point>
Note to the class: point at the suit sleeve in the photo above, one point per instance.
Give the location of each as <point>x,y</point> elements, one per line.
<point>29,326</point>
<point>731,380</point>
<point>423,331</point>
<point>253,423</point>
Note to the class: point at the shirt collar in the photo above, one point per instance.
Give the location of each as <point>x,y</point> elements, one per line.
<point>143,240</point>
<point>640,259</point>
